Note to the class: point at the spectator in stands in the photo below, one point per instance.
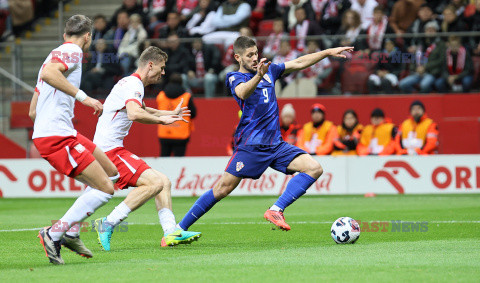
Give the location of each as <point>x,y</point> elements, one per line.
<point>207,61</point>
<point>459,6</point>
<point>130,7</point>
<point>185,7</point>
<point>418,135</point>
<point>317,135</point>
<point>365,9</point>
<point>289,18</point>
<point>157,10</point>
<point>174,138</point>
<point>128,49</point>
<point>388,68</point>
<point>22,13</point>
<point>457,70</point>
<point>272,45</point>
<point>228,61</point>
<point>100,29</point>
<point>302,29</point>
<point>350,29</point>
<point>263,10</point>
<point>6,31</point>
<point>172,27</point>
<point>117,32</point>
<point>451,22</point>
<point>474,23</point>
<point>201,21</point>
<point>229,18</point>
<point>428,62</point>
<point>286,53</point>
<point>331,17</point>
<point>378,138</point>
<point>320,70</point>
<point>404,12</point>
<point>289,128</point>
<point>347,134</point>
<point>180,59</point>
<point>100,69</point>
<point>425,15</point>
<point>376,32</point>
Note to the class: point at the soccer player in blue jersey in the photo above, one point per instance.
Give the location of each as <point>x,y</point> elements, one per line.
<point>258,142</point>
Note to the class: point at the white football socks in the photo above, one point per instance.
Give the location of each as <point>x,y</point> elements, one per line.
<point>83,207</point>
<point>167,220</point>
<point>275,208</point>
<point>119,214</point>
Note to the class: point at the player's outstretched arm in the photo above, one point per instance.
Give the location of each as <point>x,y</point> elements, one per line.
<point>52,74</point>
<point>179,110</point>
<point>311,59</point>
<point>138,114</point>
<point>244,90</point>
<point>32,111</point>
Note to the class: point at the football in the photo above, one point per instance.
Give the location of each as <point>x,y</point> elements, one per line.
<point>345,230</point>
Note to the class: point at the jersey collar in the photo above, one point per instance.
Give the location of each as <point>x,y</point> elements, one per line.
<point>136,75</point>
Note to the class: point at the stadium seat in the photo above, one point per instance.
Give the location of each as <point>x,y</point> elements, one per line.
<point>354,78</point>
<point>265,28</point>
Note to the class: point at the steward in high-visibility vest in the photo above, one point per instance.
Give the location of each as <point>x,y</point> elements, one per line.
<point>379,137</point>
<point>418,134</point>
<point>317,136</point>
<point>174,137</point>
<point>288,126</point>
<point>347,134</point>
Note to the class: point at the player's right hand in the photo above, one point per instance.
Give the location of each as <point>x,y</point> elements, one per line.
<point>262,68</point>
<point>95,104</point>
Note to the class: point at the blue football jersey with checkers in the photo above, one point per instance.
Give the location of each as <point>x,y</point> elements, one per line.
<point>260,124</point>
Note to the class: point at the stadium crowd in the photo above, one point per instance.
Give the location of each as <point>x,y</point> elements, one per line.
<point>198,37</point>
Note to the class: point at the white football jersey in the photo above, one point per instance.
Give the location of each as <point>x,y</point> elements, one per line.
<point>55,108</point>
<point>113,125</point>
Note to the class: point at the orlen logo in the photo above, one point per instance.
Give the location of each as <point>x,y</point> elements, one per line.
<point>390,169</point>
<point>9,175</point>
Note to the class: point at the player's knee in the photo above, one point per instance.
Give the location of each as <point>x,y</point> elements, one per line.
<point>315,170</point>
<point>156,187</point>
<point>167,185</point>
<point>221,191</point>
<point>107,186</point>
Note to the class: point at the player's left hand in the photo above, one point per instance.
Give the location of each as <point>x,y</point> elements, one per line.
<point>170,119</point>
<point>337,52</point>
<point>181,111</point>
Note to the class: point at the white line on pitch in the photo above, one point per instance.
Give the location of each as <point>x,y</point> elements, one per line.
<point>255,223</point>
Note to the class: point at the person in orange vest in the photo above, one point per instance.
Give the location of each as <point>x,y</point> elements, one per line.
<point>379,137</point>
<point>288,126</point>
<point>348,134</point>
<point>317,136</point>
<point>174,138</point>
<point>418,135</point>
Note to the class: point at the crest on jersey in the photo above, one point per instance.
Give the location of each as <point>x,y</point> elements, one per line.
<point>138,94</point>
<point>80,148</point>
<point>267,78</point>
<point>231,79</point>
<point>134,157</point>
<point>240,165</point>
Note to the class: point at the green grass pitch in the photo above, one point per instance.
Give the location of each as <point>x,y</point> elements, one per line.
<point>237,245</point>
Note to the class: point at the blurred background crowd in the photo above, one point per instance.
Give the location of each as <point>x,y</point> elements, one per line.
<point>405,46</point>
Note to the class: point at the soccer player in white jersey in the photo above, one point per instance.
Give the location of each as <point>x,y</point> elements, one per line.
<point>123,106</point>
<point>59,143</point>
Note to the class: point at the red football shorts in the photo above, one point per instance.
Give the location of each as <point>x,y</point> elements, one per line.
<point>69,155</point>
<point>128,165</point>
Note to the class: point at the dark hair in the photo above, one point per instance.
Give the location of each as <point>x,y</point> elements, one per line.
<point>378,9</point>
<point>78,25</point>
<point>242,43</point>
<point>377,112</point>
<point>349,111</point>
<point>100,16</point>
<point>176,78</point>
<point>152,53</point>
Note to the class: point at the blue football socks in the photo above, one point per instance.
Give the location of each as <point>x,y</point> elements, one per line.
<point>199,208</point>
<point>296,188</point>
